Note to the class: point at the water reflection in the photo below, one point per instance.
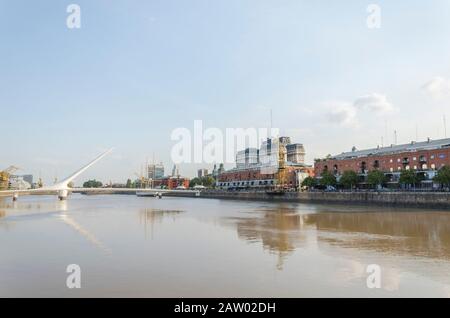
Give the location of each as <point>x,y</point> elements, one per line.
<point>220,248</point>
<point>27,210</point>
<point>285,228</point>
<point>151,216</point>
<point>279,231</point>
<point>424,234</point>
<point>83,232</point>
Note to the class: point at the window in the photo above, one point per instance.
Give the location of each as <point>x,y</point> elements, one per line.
<point>398,160</point>
<point>392,169</point>
<point>414,158</point>
<point>433,166</point>
<point>376,164</point>
<point>391,161</point>
<point>432,156</point>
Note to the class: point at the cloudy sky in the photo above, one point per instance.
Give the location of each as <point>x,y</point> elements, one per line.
<point>136,70</point>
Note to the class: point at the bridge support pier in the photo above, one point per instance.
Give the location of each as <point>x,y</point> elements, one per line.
<point>62,195</point>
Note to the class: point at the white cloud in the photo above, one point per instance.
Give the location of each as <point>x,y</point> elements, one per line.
<point>374,102</point>
<point>347,113</point>
<point>438,87</point>
<point>343,114</point>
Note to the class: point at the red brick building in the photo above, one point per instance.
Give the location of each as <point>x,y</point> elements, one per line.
<point>257,178</point>
<point>424,157</point>
<point>257,168</point>
<point>171,182</point>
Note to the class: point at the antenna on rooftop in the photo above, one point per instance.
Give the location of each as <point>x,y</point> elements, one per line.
<point>386,131</point>
<point>395,137</point>
<point>417,132</point>
<point>271,123</point>
<point>445,126</point>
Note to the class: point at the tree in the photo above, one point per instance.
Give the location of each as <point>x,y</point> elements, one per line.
<point>309,182</point>
<point>376,178</point>
<point>194,182</point>
<point>328,179</point>
<point>349,178</point>
<point>92,184</point>
<point>208,181</point>
<point>443,176</point>
<point>129,184</point>
<point>408,178</point>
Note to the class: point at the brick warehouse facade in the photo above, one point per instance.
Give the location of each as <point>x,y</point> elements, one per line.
<point>255,178</point>
<point>257,168</point>
<point>424,157</point>
<point>171,182</point>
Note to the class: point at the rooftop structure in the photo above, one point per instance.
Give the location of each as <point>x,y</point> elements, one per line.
<point>394,149</point>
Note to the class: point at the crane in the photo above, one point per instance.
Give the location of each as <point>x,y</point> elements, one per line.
<point>5,175</point>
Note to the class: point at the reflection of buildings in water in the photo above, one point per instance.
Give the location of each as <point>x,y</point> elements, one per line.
<point>152,216</point>
<point>3,223</point>
<point>282,229</point>
<point>425,234</point>
<point>279,231</point>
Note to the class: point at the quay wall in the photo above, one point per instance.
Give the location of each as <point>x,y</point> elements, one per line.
<point>439,200</point>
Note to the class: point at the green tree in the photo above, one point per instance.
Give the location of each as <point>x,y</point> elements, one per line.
<point>408,178</point>
<point>376,178</point>
<point>208,181</point>
<point>443,176</point>
<point>92,184</point>
<point>349,179</point>
<point>194,182</point>
<point>129,183</point>
<point>328,179</point>
<point>309,182</point>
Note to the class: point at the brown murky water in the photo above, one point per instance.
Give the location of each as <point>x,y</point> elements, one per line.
<point>190,247</point>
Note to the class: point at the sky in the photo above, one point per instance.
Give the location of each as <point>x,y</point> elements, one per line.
<point>137,70</point>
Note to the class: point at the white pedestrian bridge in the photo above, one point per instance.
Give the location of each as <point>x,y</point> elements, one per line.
<point>62,189</point>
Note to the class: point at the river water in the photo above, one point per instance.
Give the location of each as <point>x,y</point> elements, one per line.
<point>191,247</point>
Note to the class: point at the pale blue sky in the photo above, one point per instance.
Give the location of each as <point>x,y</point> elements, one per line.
<point>136,70</point>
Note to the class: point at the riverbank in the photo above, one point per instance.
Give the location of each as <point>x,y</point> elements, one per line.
<point>440,200</point>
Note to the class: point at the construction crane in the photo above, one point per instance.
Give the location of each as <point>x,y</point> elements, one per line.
<point>5,175</point>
